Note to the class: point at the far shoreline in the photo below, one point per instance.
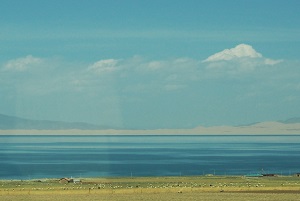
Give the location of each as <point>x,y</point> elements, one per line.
<point>264,128</point>
<point>95,133</point>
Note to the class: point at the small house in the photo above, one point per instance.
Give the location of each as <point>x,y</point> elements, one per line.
<point>66,180</point>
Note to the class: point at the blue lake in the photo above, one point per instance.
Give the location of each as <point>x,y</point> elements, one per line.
<point>28,157</point>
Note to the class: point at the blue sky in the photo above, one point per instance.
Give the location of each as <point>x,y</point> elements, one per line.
<point>150,64</point>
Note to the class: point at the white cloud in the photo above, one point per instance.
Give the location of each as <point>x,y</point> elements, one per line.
<point>167,66</point>
<point>155,65</point>
<point>153,75</point>
<point>271,61</point>
<point>242,53</point>
<point>104,66</point>
<point>22,64</point>
<point>240,59</point>
<point>239,51</point>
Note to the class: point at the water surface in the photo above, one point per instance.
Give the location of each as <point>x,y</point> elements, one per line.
<point>27,157</point>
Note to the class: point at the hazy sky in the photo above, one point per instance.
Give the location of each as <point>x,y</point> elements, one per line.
<point>150,63</point>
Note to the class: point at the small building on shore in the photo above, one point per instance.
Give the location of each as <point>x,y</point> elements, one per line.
<point>297,174</point>
<point>66,180</point>
<point>69,180</point>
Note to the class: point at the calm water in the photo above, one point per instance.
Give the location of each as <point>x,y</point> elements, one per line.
<point>27,157</point>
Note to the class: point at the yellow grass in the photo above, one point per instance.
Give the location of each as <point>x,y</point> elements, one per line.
<point>156,188</point>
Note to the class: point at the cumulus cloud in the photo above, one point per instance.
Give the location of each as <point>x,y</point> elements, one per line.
<point>153,75</point>
<point>239,51</point>
<point>104,66</point>
<point>242,53</point>
<point>173,74</point>
<point>241,59</point>
<point>22,64</point>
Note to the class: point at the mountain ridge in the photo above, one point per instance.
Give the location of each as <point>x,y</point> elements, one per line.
<point>16,123</point>
<point>8,122</point>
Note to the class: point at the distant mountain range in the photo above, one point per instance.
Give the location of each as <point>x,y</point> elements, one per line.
<point>289,126</point>
<point>11,122</point>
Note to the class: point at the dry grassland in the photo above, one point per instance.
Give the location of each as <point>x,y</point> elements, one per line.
<point>161,188</point>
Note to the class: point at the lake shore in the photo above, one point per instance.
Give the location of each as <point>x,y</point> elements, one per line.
<point>154,188</point>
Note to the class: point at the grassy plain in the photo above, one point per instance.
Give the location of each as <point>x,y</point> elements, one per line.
<point>155,188</point>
